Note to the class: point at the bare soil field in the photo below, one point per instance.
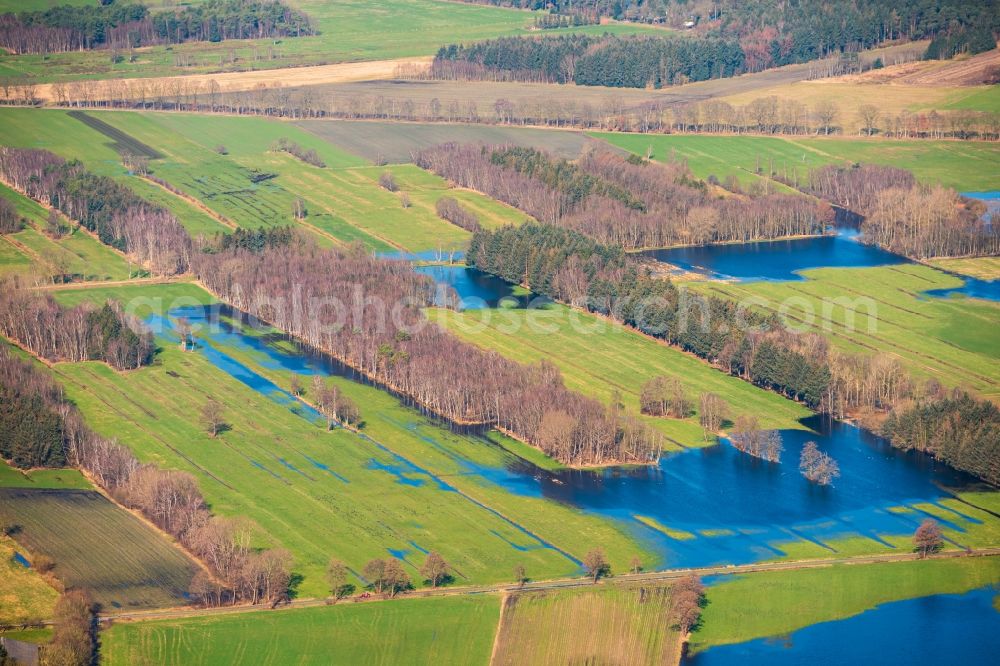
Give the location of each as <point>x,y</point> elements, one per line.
<point>958,72</point>
<point>290,77</point>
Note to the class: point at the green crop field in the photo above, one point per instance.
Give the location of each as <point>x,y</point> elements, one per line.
<point>610,624</point>
<point>78,253</point>
<point>598,357</point>
<point>66,136</point>
<point>882,309</point>
<point>349,31</point>
<point>97,545</point>
<point>396,142</point>
<point>322,494</point>
<point>778,603</point>
<point>344,201</point>
<point>442,630</point>
<point>963,165</point>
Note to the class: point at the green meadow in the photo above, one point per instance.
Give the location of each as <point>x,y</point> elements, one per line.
<point>883,309</point>
<point>348,31</point>
<point>600,358</point>
<point>778,603</point>
<point>436,630</point>
<point>77,253</point>
<point>253,186</point>
<point>403,488</point>
<point>963,165</point>
<point>344,200</point>
<point>71,139</point>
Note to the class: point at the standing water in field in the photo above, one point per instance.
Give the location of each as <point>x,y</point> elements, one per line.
<point>927,631</point>
<point>776,260</point>
<point>700,507</point>
<point>477,290</point>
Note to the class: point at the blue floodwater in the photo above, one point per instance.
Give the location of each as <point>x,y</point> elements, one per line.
<point>476,289</point>
<point>992,200</point>
<point>939,630</point>
<point>973,288</point>
<point>729,507</point>
<point>220,335</point>
<point>22,560</point>
<point>777,260</point>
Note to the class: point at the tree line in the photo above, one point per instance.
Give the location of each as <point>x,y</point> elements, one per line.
<point>366,312</point>
<point>619,201</point>
<point>906,217</point>
<point>80,333</point>
<point>957,428</point>
<point>307,155</point>
<point>126,26</point>
<point>45,429</point>
<point>147,233</point>
<point>449,209</point>
<point>767,115</point>
<point>573,268</point>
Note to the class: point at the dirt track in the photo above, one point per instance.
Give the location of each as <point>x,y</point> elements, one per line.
<point>652,576</point>
<point>292,76</point>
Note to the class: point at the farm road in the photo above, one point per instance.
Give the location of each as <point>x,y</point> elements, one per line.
<point>652,576</point>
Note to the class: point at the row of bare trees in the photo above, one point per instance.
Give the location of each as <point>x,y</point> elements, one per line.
<point>366,312</point>
<point>449,209</point>
<point>766,115</point>
<point>908,218</point>
<point>148,234</point>
<point>237,569</point>
<point>657,205</point>
<point>80,333</point>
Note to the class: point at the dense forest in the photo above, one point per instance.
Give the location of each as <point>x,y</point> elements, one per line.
<point>958,429</point>
<point>82,333</point>
<point>773,33</point>
<point>366,312</point>
<point>628,202</point>
<point>906,217</point>
<point>40,426</point>
<point>146,233</point>
<point>629,62</point>
<point>121,25</point>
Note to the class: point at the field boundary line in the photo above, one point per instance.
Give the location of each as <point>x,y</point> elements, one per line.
<point>504,600</point>
<point>569,583</point>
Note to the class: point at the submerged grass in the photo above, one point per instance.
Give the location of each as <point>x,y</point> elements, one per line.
<point>327,494</point>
